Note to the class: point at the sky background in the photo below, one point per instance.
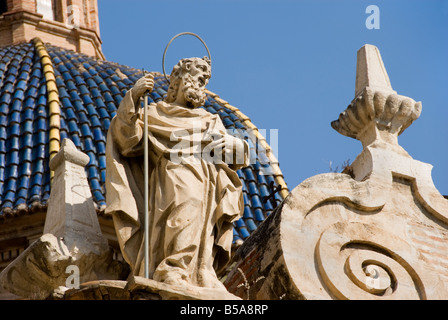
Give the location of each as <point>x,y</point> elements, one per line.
<point>290,65</point>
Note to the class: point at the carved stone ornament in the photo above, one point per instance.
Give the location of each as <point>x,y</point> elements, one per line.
<point>377,231</point>
<point>72,246</point>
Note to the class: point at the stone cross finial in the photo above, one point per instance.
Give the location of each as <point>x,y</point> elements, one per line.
<point>71,211</point>
<point>370,71</point>
<point>377,114</point>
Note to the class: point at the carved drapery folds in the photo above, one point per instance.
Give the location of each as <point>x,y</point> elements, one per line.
<point>379,232</point>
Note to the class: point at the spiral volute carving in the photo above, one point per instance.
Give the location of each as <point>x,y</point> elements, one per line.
<point>354,265</point>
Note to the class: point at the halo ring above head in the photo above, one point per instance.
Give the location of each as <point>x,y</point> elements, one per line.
<point>172,39</point>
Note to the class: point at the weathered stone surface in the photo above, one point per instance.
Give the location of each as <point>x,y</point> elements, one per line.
<point>378,232</point>
<point>99,290</point>
<point>377,114</point>
<point>139,288</point>
<point>71,212</point>
<point>38,270</point>
<point>370,71</point>
<point>260,272</point>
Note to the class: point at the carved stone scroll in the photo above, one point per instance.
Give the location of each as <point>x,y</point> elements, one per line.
<point>379,231</point>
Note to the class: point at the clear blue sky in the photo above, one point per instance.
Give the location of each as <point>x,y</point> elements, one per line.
<point>290,65</point>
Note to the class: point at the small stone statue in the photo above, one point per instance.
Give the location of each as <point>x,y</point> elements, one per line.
<point>195,194</point>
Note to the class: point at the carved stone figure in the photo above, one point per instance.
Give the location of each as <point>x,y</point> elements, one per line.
<point>195,194</point>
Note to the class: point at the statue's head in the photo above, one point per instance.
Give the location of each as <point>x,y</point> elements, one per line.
<point>190,75</point>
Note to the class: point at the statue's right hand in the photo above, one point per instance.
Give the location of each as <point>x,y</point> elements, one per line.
<point>145,83</point>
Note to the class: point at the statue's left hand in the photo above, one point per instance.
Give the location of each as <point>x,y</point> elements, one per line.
<point>145,83</point>
<point>229,146</point>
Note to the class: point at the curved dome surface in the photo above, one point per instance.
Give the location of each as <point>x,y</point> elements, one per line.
<point>88,92</point>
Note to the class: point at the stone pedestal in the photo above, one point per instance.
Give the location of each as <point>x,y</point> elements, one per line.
<point>158,290</point>
<point>97,290</point>
<point>139,288</point>
<point>378,231</point>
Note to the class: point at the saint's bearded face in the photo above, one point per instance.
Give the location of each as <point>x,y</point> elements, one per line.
<point>194,82</point>
<point>189,78</point>
<point>193,92</point>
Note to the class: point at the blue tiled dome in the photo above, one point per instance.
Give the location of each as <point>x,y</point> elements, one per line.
<point>90,92</point>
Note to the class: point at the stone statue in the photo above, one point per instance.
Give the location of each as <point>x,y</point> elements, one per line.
<point>194,195</point>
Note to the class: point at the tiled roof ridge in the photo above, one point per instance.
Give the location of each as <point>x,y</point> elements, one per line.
<point>53,99</point>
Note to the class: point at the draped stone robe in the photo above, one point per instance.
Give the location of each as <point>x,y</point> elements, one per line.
<point>192,203</point>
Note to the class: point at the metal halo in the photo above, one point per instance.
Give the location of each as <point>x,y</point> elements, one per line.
<point>172,39</point>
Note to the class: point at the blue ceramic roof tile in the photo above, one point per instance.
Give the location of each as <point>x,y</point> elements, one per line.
<point>267,205</point>
<point>255,201</point>
<point>241,174</point>
<point>253,188</point>
<point>90,92</point>
<point>38,152</point>
<point>246,197</point>
<point>264,192</point>
<point>250,223</point>
<point>259,216</point>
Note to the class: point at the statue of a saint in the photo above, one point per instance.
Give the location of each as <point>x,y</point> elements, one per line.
<point>194,195</point>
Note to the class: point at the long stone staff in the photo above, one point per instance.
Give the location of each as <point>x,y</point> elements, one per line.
<point>146,178</point>
<point>146,150</point>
